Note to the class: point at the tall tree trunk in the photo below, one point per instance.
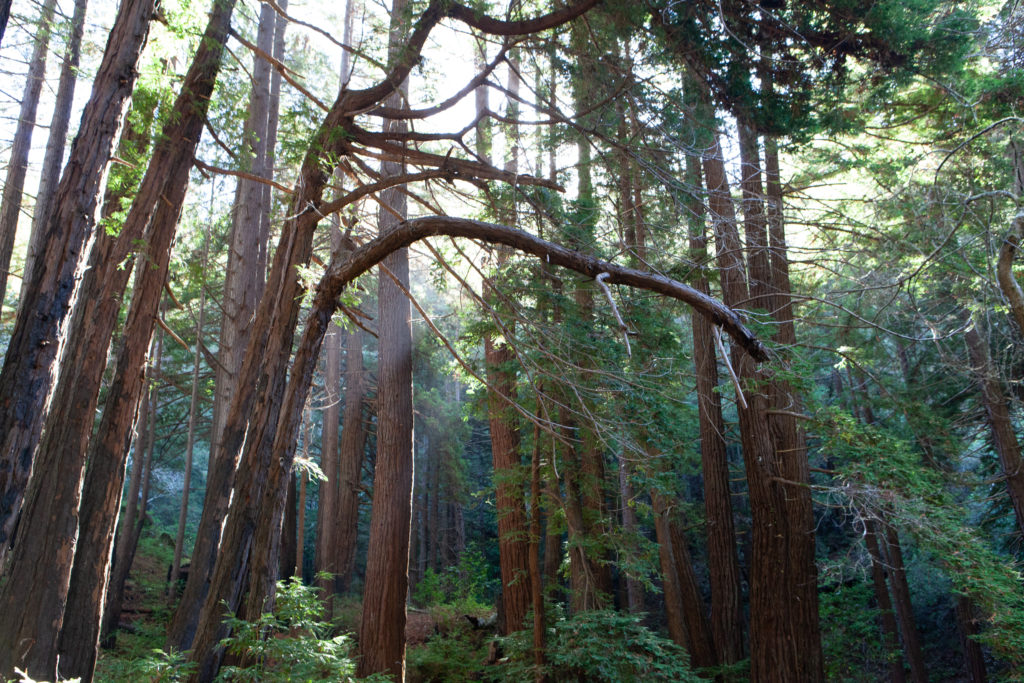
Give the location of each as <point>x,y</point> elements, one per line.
<point>77,656</point>
<point>723,560</point>
<point>353,444</point>
<point>1011,243</point>
<point>536,587</point>
<point>901,601</point>
<point>974,658</point>
<point>57,139</point>
<point>785,640</point>
<point>242,290</point>
<point>17,166</point>
<point>382,631</point>
<point>286,567</point>
<point>193,419</point>
<point>1004,437</point>
<point>329,454</point>
<point>27,373</point>
<point>890,630</point>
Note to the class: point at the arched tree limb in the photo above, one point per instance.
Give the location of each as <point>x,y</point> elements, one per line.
<point>413,230</point>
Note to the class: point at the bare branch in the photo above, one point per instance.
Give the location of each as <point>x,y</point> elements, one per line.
<point>410,231</point>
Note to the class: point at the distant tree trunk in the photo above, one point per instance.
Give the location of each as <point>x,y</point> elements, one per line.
<point>974,658</point>
<point>683,603</point>
<point>57,139</point>
<point>327,499</point>
<point>904,608</point>
<point>300,526</point>
<point>247,254</point>
<point>785,640</point>
<point>17,167</point>
<point>353,444</point>
<point>289,541</point>
<point>382,631</point>
<point>723,560</point>
<point>135,511</point>
<point>634,590</point>
<point>536,586</point>
<point>1004,437</point>
<point>26,377</point>
<point>890,630</point>
<point>1011,243</point>
<point>193,419</point>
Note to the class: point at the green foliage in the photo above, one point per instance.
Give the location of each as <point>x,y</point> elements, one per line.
<point>292,643</point>
<point>882,478</point>
<point>850,634</point>
<point>468,586</point>
<point>156,666</point>
<point>600,646</point>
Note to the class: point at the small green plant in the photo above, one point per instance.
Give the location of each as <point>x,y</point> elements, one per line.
<point>599,646</point>
<point>291,644</point>
<point>155,666</point>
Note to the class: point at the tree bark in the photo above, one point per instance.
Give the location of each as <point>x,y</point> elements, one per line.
<point>974,658</point>
<point>57,139</point>
<point>890,630</point>
<point>242,290</point>
<point>17,166</point>
<point>1004,437</point>
<point>785,640</point>
<point>193,419</point>
<point>723,560</point>
<point>382,631</point>
<point>353,445</point>
<point>1011,243</point>
<point>27,373</point>
<point>904,608</point>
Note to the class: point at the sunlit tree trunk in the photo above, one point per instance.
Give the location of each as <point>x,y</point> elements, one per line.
<point>28,370</point>
<point>17,166</point>
<point>246,268</point>
<point>382,631</point>
<point>57,140</point>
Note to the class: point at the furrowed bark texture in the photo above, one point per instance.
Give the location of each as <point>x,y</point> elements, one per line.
<point>1004,437</point>
<point>57,140</point>
<point>784,637</point>
<point>723,561</point>
<point>28,370</point>
<point>242,290</point>
<point>28,639</point>
<point>382,629</point>
<point>66,446</point>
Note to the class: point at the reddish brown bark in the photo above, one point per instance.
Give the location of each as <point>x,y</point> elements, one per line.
<point>26,378</point>
<point>890,630</point>
<point>243,286</point>
<point>353,444</point>
<point>56,142</point>
<point>17,166</point>
<point>1004,437</point>
<point>785,640</point>
<point>974,658</point>
<point>893,554</point>
<point>382,630</point>
<point>723,560</point>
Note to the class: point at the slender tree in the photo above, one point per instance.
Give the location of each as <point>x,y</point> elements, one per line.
<point>17,166</point>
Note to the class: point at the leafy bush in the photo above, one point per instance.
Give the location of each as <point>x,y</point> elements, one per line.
<point>467,585</point>
<point>598,647</point>
<point>292,644</point>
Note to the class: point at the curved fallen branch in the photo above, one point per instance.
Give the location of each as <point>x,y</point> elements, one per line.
<point>370,254</point>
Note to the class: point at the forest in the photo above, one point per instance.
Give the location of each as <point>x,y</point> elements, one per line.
<point>550,340</point>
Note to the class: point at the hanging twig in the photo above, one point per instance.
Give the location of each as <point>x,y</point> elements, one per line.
<point>728,365</point>
<point>601,277</point>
